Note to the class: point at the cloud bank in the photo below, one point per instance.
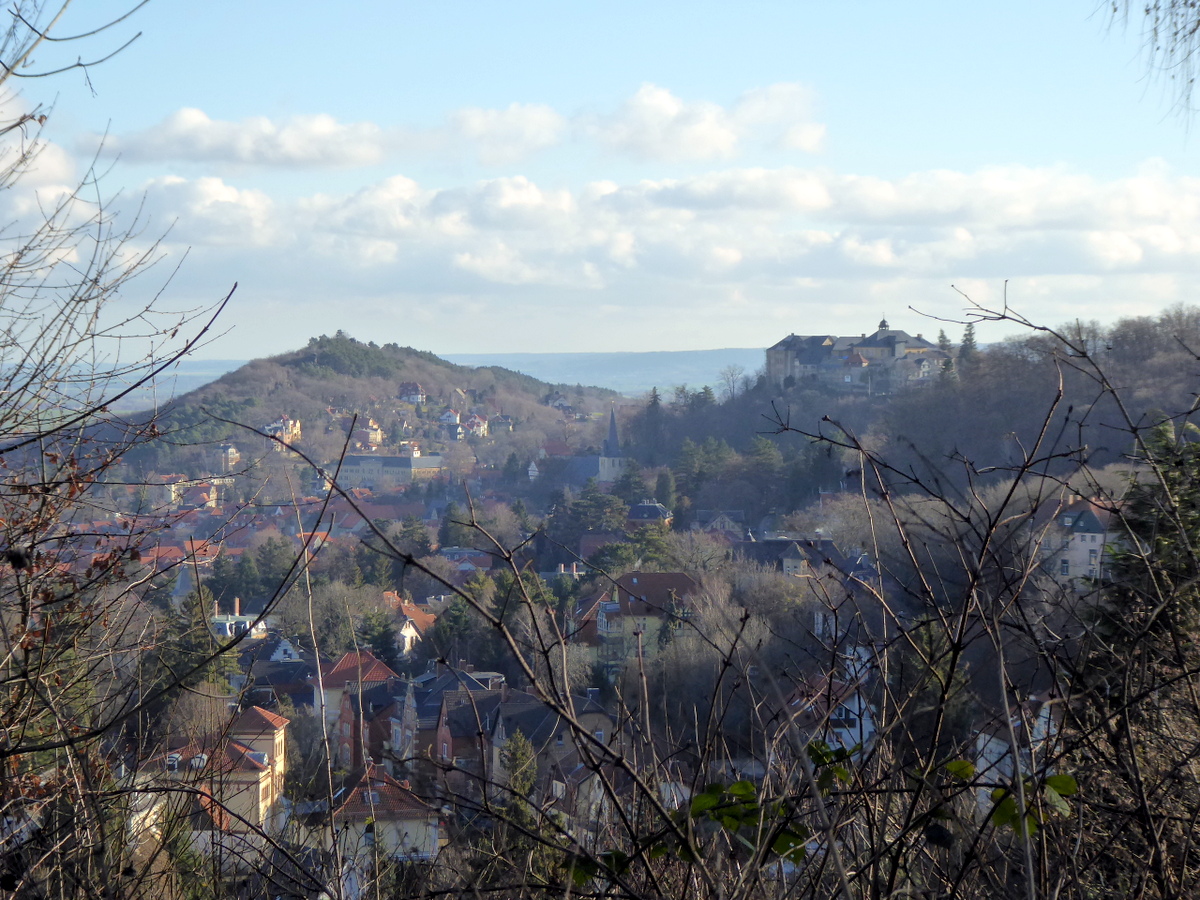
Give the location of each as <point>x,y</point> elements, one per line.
<point>654,124</point>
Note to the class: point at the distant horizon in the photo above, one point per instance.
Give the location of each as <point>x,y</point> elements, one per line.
<point>655,368</point>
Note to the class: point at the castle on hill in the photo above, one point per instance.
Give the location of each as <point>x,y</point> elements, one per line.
<point>869,363</point>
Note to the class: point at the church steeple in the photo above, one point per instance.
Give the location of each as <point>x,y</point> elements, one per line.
<point>612,443</point>
<point>883,325</point>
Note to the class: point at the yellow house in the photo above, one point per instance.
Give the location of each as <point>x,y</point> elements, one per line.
<point>224,788</point>
<point>375,813</point>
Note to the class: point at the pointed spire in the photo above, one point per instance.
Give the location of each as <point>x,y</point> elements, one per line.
<point>612,443</point>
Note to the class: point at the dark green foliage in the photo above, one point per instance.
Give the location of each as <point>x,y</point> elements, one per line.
<point>664,489</point>
<point>377,630</point>
<point>456,530</point>
<point>413,538</point>
<point>631,485</point>
<point>591,511</point>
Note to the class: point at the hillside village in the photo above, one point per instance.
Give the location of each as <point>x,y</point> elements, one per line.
<point>359,705</point>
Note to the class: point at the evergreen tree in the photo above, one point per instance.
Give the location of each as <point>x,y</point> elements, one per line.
<point>248,580</point>
<point>968,349</point>
<point>275,560</point>
<point>413,538</point>
<point>946,347</point>
<point>664,489</point>
<point>514,472</point>
<point>377,631</point>
<point>455,530</point>
<point>630,486</point>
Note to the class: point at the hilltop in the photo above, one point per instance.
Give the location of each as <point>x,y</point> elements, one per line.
<point>331,380</point>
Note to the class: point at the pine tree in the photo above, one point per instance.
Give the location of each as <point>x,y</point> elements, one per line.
<point>968,348</point>
<point>664,489</point>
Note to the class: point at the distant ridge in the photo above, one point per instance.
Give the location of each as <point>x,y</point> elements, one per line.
<point>630,373</point>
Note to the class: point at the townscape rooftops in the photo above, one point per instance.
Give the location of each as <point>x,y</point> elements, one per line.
<point>256,720</point>
<point>370,792</point>
<point>357,665</point>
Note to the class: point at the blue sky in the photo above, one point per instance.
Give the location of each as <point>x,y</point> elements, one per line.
<point>536,176</point>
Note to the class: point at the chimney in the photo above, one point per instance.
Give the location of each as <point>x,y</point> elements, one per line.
<point>237,606</point>
<point>216,607</point>
<point>404,783</point>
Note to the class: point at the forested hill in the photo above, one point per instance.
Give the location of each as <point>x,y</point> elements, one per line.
<point>338,374</point>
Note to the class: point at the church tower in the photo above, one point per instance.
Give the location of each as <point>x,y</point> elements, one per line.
<point>612,443</point>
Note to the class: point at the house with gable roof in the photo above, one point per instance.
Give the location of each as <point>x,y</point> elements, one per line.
<point>834,710</point>
<point>227,786</point>
<point>375,813</point>
<point>412,392</point>
<point>356,670</point>
<point>638,605</point>
<point>1076,546</point>
<point>1023,741</point>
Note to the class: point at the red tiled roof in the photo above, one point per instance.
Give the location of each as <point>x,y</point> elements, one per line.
<point>358,665</point>
<point>377,794</point>
<point>257,720</point>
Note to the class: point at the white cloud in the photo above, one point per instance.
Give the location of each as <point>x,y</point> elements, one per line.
<point>776,238</point>
<point>313,140</point>
<point>504,136</point>
<point>655,124</point>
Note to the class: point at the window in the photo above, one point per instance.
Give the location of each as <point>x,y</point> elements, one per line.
<point>445,750</point>
<point>1066,567</point>
<point>1092,554</point>
<point>599,735</point>
<point>371,797</point>
<point>560,739</point>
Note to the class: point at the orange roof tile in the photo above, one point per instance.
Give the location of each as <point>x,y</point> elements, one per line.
<point>359,665</point>
<point>257,719</point>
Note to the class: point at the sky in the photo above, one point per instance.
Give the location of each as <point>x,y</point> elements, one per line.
<point>471,177</point>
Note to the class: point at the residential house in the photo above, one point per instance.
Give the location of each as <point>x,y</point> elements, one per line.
<point>1022,741</point>
<point>728,524</point>
<point>825,708</point>
<point>276,669</point>
<point>639,605</point>
<point>476,425</point>
<point>648,512</point>
<point>412,392</point>
<point>414,621</point>
<point>355,671</point>
<point>282,432</point>
<point>378,722</point>
<point>230,785</point>
<point>374,813</point>
<point>1075,547</point>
